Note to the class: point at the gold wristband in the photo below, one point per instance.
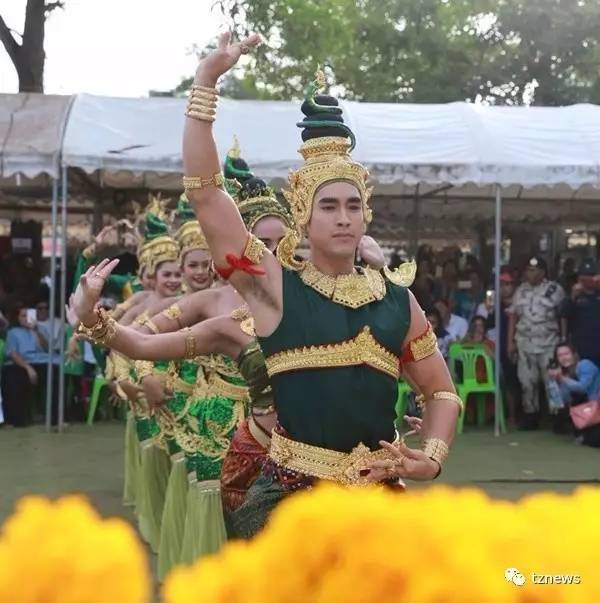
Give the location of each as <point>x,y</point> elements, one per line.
<point>102,332</point>
<point>143,368</point>
<point>437,450</point>
<point>190,344</point>
<point>191,183</point>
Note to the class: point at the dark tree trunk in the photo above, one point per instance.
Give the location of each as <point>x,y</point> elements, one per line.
<point>28,57</point>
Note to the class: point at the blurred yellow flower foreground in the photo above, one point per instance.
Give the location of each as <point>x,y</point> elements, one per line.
<point>366,545</point>
<point>64,552</point>
<point>439,545</point>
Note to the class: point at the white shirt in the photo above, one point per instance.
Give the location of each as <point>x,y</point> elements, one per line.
<point>457,327</point>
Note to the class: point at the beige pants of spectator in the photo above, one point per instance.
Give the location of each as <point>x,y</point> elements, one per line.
<point>531,369</point>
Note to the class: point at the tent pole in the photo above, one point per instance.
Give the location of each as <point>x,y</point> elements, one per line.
<point>52,304</point>
<point>63,293</point>
<point>497,309</point>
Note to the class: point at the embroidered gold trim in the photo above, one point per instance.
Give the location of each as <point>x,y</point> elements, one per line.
<point>143,368</point>
<point>342,467</point>
<point>424,346</point>
<point>254,250</point>
<point>351,290</point>
<point>217,386</point>
<point>363,349</point>
<point>404,275</point>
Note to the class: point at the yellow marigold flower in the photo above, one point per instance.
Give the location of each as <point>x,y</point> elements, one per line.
<point>375,546</point>
<point>64,552</point>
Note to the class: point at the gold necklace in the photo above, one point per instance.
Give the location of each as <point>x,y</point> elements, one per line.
<point>351,290</point>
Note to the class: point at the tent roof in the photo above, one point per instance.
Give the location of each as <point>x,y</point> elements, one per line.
<point>538,152</point>
<point>31,132</point>
<point>403,145</point>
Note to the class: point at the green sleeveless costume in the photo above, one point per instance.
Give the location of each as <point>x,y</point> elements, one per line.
<point>333,405</point>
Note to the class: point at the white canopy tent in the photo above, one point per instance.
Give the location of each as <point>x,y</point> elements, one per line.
<point>458,151</point>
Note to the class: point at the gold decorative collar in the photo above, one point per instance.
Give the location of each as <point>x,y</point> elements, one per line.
<point>351,290</point>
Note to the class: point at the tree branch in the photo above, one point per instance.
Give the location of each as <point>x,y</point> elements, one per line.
<point>50,6</point>
<point>10,44</point>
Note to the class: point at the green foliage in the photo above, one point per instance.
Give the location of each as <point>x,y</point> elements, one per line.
<point>422,50</point>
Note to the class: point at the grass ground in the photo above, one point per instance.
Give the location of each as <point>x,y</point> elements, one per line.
<point>90,460</point>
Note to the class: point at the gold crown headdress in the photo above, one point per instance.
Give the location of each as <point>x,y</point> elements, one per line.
<point>326,152</point>
<point>157,246</point>
<point>189,235</point>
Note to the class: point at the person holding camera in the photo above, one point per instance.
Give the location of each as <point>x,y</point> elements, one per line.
<point>533,332</point>
<point>573,381</point>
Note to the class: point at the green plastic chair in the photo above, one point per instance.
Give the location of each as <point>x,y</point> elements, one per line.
<point>468,354</point>
<point>99,383</point>
<point>404,390</point>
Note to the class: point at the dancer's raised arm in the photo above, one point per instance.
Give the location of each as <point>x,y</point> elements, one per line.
<point>238,256</point>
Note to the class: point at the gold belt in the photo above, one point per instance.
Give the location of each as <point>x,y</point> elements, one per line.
<point>322,463</point>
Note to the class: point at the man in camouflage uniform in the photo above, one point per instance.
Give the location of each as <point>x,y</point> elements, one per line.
<point>533,333</point>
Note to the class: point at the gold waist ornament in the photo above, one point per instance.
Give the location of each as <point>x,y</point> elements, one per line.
<point>341,467</point>
<point>362,349</point>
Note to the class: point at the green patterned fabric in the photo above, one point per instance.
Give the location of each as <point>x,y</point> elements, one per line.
<point>339,407</point>
<point>251,364</point>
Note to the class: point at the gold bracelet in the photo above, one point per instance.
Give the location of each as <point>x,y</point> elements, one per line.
<point>191,183</point>
<point>437,450</point>
<point>193,108</point>
<point>200,116</point>
<point>201,100</point>
<point>205,89</point>
<point>173,312</point>
<point>451,396</point>
<point>190,344</point>
<point>102,332</point>
<point>143,368</point>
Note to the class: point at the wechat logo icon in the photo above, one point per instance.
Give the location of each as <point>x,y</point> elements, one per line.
<point>515,576</point>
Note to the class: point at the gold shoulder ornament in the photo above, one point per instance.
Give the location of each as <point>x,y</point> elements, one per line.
<point>404,275</point>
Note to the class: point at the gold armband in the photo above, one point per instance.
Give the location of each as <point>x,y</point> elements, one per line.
<point>173,312</point>
<point>451,396</point>
<point>102,332</point>
<point>255,249</point>
<point>191,183</point>
<point>190,344</point>
<point>421,347</point>
<point>437,450</point>
<point>143,368</point>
